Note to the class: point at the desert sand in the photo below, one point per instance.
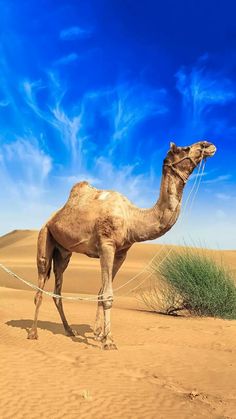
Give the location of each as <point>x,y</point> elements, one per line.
<point>165,366</point>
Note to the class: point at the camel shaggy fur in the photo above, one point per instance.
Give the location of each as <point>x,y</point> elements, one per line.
<point>105,224</point>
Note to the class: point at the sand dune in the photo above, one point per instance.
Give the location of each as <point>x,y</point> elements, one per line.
<point>166,367</point>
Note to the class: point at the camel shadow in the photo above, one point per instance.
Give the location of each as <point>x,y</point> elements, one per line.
<point>57,329</point>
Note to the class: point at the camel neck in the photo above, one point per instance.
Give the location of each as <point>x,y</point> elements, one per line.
<point>171,193</point>
<point>156,221</point>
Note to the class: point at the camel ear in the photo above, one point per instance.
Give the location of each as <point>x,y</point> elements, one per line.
<point>173,147</point>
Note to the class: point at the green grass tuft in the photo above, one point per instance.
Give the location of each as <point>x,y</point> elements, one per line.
<point>195,282</point>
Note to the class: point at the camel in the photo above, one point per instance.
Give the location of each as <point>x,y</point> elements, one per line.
<point>104,224</point>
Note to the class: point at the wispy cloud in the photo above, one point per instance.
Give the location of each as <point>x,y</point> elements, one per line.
<point>29,92</point>
<point>70,130</point>
<point>201,89</point>
<point>75,32</point>
<point>220,214</point>
<point>227,197</point>
<point>67,59</point>
<point>121,109</point>
<point>197,175</point>
<point>25,167</point>
<point>24,171</point>
<point>218,179</point>
<point>54,114</point>
<point>223,196</point>
<point>125,107</point>
<point>202,92</point>
<point>131,105</point>
<point>4,103</point>
<point>126,180</point>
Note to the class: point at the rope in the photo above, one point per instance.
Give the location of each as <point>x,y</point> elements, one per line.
<point>150,274</point>
<point>184,210</point>
<point>190,193</point>
<point>196,190</point>
<point>99,297</point>
<point>73,298</point>
<point>199,175</point>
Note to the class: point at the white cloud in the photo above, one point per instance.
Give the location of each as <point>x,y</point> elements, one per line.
<point>24,168</point>
<point>215,230</point>
<point>54,114</point>
<point>67,59</point>
<point>223,196</point>
<point>4,103</point>
<point>197,175</point>
<point>26,200</point>
<point>133,104</point>
<point>29,91</point>
<point>70,129</point>
<point>122,107</point>
<point>221,214</point>
<point>203,91</point>
<point>139,188</point>
<point>75,32</point>
<point>218,179</point>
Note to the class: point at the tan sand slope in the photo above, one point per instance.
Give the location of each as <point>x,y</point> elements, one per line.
<point>166,367</point>
<point>18,252</point>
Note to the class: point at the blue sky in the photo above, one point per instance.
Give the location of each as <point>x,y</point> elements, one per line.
<point>96,90</point>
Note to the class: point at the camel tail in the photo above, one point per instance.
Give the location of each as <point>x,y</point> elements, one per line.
<point>45,249</point>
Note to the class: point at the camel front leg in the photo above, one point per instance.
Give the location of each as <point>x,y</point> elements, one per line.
<point>98,328</point>
<point>107,259</point>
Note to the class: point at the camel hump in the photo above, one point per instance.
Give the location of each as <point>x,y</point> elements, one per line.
<point>79,189</point>
<point>78,186</point>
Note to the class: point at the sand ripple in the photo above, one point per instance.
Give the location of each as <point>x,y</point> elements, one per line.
<point>164,368</point>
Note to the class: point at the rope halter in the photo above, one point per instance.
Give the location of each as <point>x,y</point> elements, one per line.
<point>183,176</point>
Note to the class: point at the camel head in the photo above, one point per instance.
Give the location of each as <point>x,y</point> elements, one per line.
<point>183,160</point>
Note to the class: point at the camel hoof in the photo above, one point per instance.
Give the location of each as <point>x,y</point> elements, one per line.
<point>109,347</point>
<point>71,332</point>
<point>32,334</point>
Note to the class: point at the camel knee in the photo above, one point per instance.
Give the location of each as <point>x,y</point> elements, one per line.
<point>107,302</point>
<point>44,266</point>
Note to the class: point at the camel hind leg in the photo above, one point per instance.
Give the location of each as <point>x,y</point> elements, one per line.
<point>61,258</point>
<point>45,249</point>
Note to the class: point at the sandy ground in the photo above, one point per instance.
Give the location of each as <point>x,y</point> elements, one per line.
<point>165,367</point>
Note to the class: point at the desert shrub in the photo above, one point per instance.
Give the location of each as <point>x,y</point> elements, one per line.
<point>193,281</point>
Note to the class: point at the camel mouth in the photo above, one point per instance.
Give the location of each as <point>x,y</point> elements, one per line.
<point>210,150</point>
